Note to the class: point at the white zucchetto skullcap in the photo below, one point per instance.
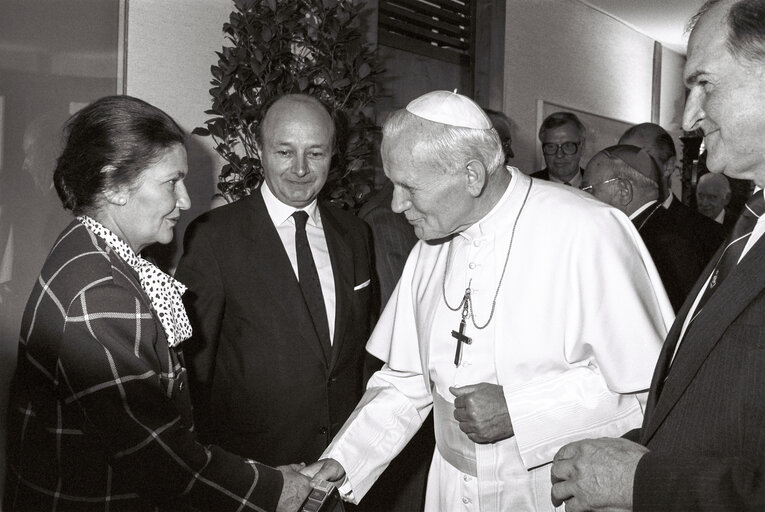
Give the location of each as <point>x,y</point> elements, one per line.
<point>450,108</point>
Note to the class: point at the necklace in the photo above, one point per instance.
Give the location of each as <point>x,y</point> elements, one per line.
<point>466,304</point>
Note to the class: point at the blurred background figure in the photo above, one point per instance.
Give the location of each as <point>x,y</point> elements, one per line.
<point>713,196</point>
<point>562,135</point>
<point>501,123</point>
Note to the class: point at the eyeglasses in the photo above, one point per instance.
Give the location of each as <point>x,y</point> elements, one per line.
<point>569,148</point>
<point>589,188</point>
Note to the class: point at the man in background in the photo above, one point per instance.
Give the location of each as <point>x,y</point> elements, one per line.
<point>659,144</point>
<point>712,197</point>
<point>702,444</point>
<point>562,135</point>
<point>501,123</point>
<point>280,298</point>
<point>627,178</point>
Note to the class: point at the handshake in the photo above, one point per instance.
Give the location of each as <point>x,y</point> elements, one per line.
<point>308,488</point>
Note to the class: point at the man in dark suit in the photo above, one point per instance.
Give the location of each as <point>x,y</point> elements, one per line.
<point>562,135</point>
<point>659,144</point>
<point>281,302</point>
<point>702,443</point>
<point>626,177</point>
<point>713,195</point>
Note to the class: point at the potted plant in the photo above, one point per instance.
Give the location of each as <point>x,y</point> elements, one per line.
<point>293,46</point>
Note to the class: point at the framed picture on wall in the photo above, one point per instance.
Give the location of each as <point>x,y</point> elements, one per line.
<point>601,131</point>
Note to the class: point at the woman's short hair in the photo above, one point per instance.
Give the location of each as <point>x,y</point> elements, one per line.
<point>451,145</point>
<point>109,143</point>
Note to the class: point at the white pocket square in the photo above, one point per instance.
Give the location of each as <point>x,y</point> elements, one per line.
<point>362,285</point>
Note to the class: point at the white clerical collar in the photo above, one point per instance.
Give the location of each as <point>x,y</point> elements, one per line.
<point>489,222</point>
<point>281,213</point>
<point>642,209</point>
<point>668,202</point>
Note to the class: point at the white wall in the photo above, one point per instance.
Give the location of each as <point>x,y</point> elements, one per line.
<point>567,53</point>
<point>170,47</point>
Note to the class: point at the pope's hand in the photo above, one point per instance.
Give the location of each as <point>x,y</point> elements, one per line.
<point>295,489</point>
<point>595,474</point>
<point>482,412</point>
<point>325,469</point>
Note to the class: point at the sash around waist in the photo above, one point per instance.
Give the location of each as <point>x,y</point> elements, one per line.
<point>452,443</point>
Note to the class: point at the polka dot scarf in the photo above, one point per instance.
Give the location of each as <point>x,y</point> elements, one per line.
<point>163,291</point>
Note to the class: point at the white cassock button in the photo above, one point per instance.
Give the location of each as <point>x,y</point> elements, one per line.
<point>466,478</point>
<point>476,243</point>
<point>465,500</point>
<point>471,266</point>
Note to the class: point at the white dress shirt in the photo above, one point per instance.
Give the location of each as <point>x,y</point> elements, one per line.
<point>281,216</point>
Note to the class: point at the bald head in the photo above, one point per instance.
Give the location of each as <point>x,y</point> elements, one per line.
<point>658,143</point>
<point>295,146</point>
<point>623,176</point>
<point>712,194</point>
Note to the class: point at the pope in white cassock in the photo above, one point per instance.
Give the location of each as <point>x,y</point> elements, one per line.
<point>528,316</point>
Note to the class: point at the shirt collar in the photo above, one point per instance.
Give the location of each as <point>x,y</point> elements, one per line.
<point>642,209</point>
<point>668,202</point>
<point>575,182</point>
<point>281,213</point>
<point>490,222</point>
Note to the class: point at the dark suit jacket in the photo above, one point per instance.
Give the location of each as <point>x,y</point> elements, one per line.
<point>393,238</point>
<point>708,233</point>
<point>100,411</point>
<point>677,253</point>
<point>705,424</point>
<point>261,385</point>
<point>544,174</point>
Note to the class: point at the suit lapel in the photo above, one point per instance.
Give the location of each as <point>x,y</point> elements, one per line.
<point>731,298</point>
<point>270,261</point>
<point>341,257</point>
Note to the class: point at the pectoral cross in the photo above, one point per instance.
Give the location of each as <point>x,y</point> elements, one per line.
<point>460,335</point>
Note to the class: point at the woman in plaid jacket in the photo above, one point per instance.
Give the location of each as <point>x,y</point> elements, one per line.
<point>100,416</point>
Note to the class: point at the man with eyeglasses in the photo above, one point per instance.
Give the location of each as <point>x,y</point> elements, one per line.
<point>628,178</point>
<point>563,137</point>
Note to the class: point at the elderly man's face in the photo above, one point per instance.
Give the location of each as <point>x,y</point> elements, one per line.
<point>434,201</point>
<point>296,151</point>
<point>562,165</point>
<point>598,180</point>
<point>726,100</point>
<point>711,198</point>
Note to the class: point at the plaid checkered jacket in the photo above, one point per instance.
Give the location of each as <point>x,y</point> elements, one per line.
<point>100,417</point>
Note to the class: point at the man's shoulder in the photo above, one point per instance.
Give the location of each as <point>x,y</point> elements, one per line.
<point>690,219</point>
<point>226,217</point>
<point>343,217</point>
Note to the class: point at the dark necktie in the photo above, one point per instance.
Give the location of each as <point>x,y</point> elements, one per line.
<point>734,244</point>
<point>310,284</point>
